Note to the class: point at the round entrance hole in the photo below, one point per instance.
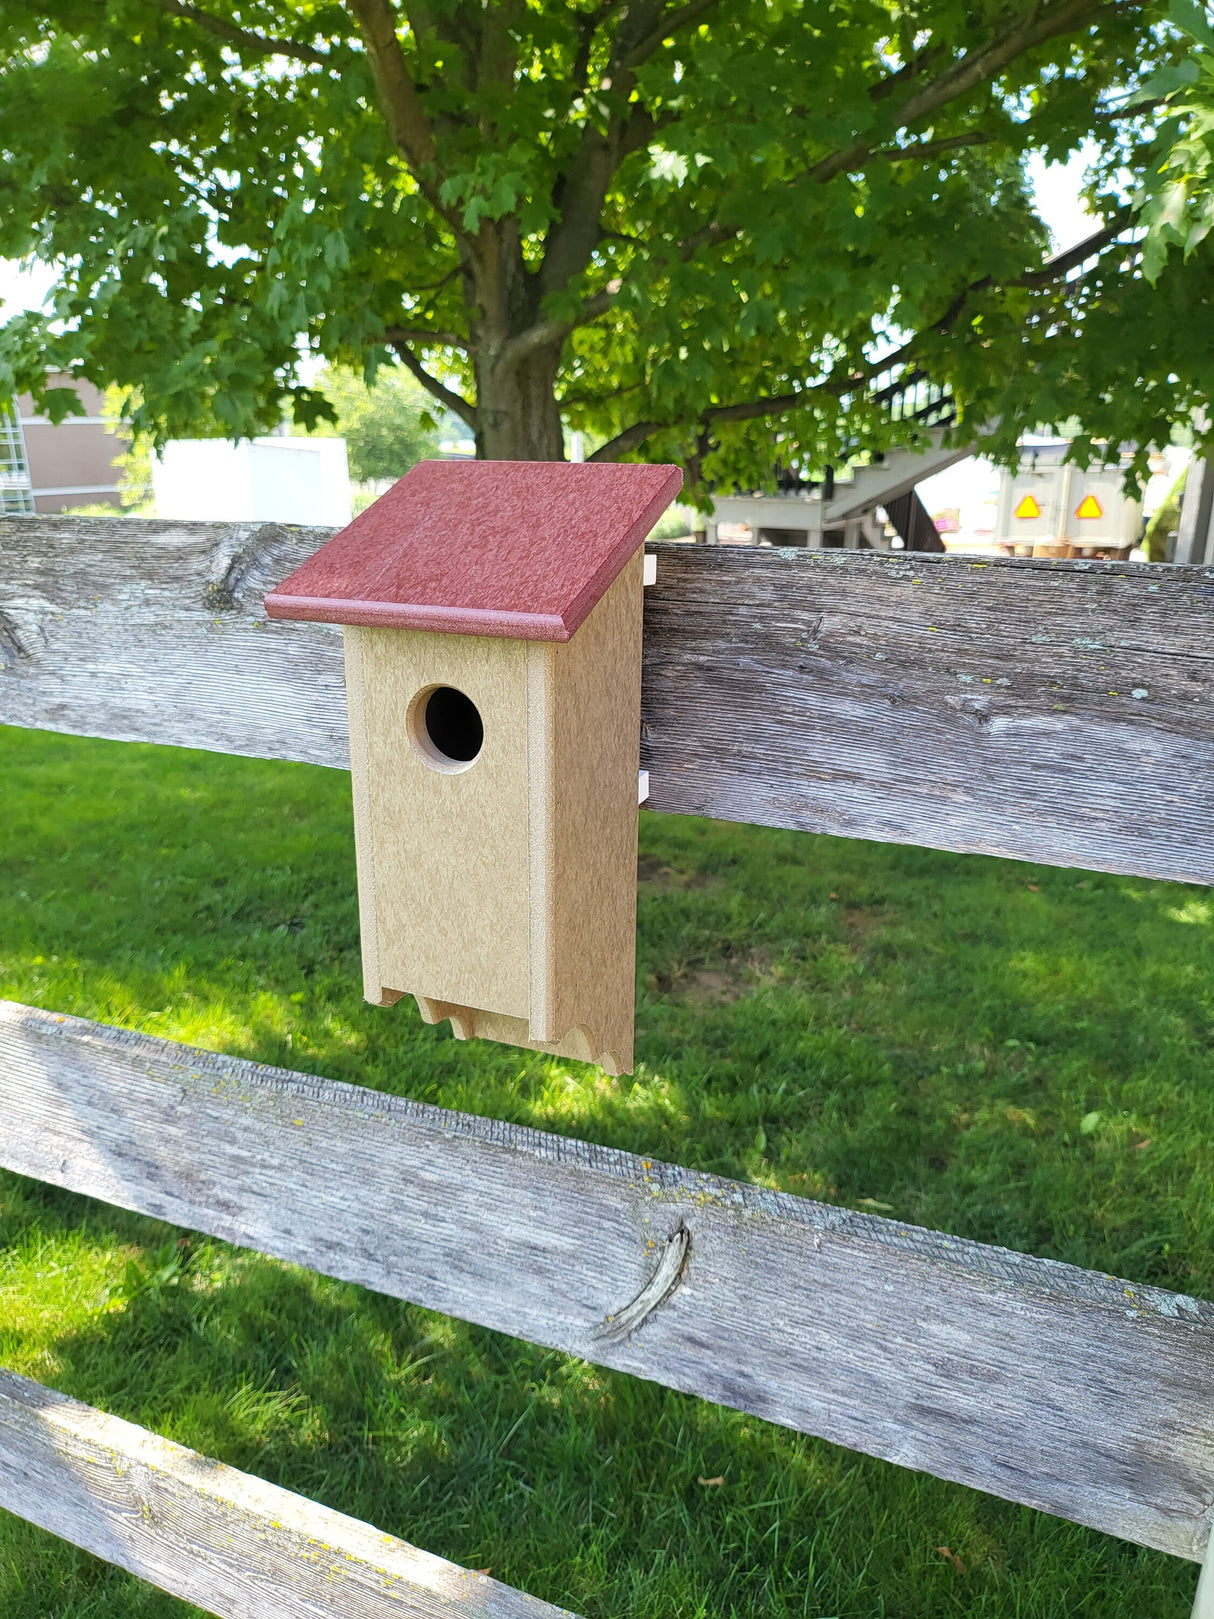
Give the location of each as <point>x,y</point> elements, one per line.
<point>445,727</point>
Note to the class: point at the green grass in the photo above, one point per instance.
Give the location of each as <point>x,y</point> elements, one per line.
<point>1007,1052</point>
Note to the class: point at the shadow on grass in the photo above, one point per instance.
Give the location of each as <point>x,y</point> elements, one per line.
<point>1011,1053</point>
<point>585,1487</point>
<point>1006,1052</point>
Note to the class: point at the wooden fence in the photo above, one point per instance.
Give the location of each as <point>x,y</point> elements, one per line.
<point>1053,711</point>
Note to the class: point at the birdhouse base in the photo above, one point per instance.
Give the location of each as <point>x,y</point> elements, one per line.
<point>470,1023</point>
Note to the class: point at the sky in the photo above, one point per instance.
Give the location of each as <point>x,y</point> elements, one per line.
<point>1056,188</point>
<point>22,289</point>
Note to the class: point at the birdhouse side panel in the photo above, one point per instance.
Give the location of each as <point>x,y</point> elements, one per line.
<point>448,867</point>
<point>584,932</point>
<point>368,912</point>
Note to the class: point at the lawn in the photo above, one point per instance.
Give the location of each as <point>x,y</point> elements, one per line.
<point>1009,1052</point>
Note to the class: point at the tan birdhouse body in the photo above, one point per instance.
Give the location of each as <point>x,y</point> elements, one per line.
<point>495,775</point>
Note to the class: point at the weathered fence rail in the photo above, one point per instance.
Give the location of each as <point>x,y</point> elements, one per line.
<point>234,1545</point>
<point>1060,712</point>
<point>1039,1382</point>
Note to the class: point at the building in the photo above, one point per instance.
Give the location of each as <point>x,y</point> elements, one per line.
<point>47,467</point>
<point>16,497</point>
<point>270,480</point>
<point>870,507</point>
<point>70,463</point>
<point>1047,507</point>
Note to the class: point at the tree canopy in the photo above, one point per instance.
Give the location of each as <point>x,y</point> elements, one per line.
<point>1176,198</point>
<point>711,231</point>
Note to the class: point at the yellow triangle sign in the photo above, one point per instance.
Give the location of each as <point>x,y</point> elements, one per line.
<point>1089,506</point>
<point>1028,507</point>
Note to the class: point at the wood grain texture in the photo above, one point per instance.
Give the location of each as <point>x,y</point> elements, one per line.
<point>234,1545</point>
<point>150,631</point>
<point>962,704</point>
<point>522,550</point>
<point>586,806</point>
<point>1060,712</point>
<point>1063,1389</point>
<point>449,846</point>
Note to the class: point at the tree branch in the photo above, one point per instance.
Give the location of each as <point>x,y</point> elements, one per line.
<point>579,195</point>
<point>1030,29</point>
<point>779,404</point>
<point>445,396</point>
<point>589,23</point>
<point>423,334</point>
<point>747,411</point>
<point>914,69</point>
<point>707,235</point>
<point>399,99</point>
<point>670,23</point>
<point>961,76</point>
<point>241,37</point>
<point>919,149</point>
<point>975,67</point>
<point>545,333</point>
<point>1134,109</point>
<point>714,234</point>
<point>629,439</point>
<point>573,401</point>
<point>580,190</point>
<point>1088,248</point>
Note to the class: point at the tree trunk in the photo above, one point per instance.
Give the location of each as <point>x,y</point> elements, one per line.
<point>518,418</point>
<point>517,414</point>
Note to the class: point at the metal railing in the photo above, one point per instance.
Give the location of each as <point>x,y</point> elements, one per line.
<point>16,489</point>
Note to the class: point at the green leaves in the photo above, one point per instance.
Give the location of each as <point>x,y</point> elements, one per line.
<point>752,207</point>
<point>495,185</point>
<point>1191,19</point>
<point>1175,200</point>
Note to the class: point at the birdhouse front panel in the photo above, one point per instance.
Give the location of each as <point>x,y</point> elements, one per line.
<point>492,617</point>
<point>444,844</point>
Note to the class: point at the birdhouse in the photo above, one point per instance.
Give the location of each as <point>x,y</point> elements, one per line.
<point>492,627</point>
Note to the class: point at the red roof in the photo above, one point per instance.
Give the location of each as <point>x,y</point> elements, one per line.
<point>518,549</point>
